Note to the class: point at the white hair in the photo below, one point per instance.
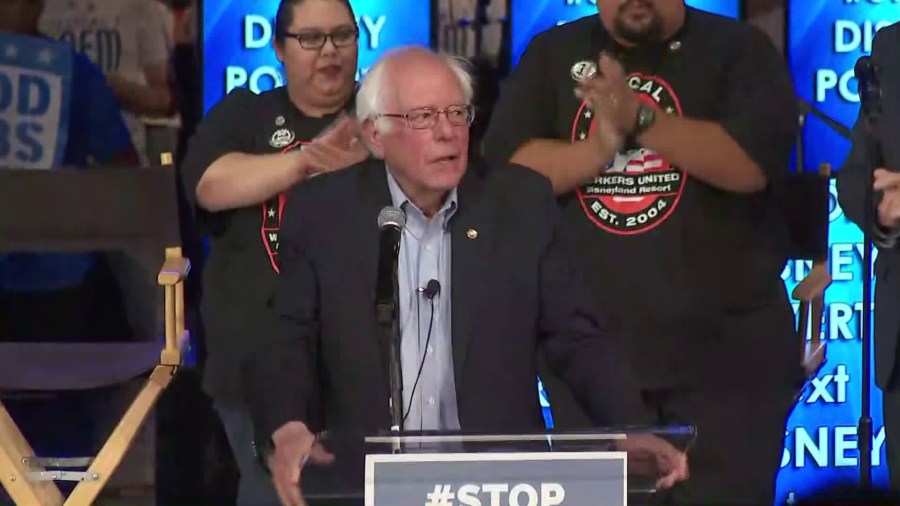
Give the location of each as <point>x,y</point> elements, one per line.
<point>370,98</point>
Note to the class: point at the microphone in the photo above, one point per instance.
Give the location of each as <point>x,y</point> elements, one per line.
<point>432,289</point>
<point>867,75</point>
<point>391,222</point>
<point>863,66</point>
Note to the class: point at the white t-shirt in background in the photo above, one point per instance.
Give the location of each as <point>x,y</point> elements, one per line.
<point>121,36</point>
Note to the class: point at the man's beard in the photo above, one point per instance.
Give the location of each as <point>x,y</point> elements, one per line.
<point>650,32</point>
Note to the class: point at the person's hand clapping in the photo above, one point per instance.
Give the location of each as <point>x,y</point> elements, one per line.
<point>609,95</point>
<point>611,101</point>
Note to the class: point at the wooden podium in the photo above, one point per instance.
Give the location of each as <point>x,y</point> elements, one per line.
<point>80,211</point>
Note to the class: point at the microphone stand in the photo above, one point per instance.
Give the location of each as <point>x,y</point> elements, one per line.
<point>386,316</point>
<point>807,109</point>
<point>869,96</point>
<point>869,92</point>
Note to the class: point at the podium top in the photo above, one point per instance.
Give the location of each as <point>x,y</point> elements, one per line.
<point>367,469</point>
<point>684,434</point>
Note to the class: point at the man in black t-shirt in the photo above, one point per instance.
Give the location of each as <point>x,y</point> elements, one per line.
<point>243,159</point>
<point>666,153</point>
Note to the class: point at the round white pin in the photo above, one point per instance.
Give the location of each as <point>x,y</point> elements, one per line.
<point>281,138</point>
<point>583,70</point>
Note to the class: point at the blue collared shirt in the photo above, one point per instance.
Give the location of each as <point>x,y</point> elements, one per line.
<point>425,255</point>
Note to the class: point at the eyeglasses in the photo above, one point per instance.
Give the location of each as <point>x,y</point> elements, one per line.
<point>342,37</point>
<point>424,118</point>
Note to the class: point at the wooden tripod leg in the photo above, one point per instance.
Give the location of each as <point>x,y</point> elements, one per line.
<point>13,449</point>
<point>122,437</point>
<point>803,326</point>
<point>815,348</point>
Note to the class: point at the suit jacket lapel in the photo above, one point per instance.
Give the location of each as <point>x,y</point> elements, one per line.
<point>372,194</point>
<point>471,238</point>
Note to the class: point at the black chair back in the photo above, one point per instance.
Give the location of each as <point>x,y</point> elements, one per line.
<point>79,210</point>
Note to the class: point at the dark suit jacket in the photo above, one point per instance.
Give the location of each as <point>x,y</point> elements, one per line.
<point>851,192</point>
<point>514,287</point>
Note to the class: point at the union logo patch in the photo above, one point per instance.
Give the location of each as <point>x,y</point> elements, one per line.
<point>640,188</point>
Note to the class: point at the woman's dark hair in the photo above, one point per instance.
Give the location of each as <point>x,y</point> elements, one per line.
<point>285,17</point>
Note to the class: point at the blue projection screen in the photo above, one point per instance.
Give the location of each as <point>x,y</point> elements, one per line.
<point>825,39</point>
<point>238,34</point>
<point>531,17</point>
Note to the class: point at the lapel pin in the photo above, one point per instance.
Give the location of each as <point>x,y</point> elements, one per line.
<point>472,233</point>
<point>583,71</point>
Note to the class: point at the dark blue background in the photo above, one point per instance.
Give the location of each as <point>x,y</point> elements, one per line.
<point>407,22</point>
<point>531,17</point>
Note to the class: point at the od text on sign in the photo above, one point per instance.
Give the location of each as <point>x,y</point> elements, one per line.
<point>35,79</point>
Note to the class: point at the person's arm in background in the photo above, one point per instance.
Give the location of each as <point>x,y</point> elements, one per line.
<point>143,20</point>
<point>741,150</point>
<point>220,173</point>
<point>851,178</point>
<point>756,133</point>
<point>521,127</point>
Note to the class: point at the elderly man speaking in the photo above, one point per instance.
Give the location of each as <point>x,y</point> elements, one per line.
<point>485,277</point>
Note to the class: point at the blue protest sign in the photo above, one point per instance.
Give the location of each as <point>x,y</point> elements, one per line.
<point>35,86</point>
